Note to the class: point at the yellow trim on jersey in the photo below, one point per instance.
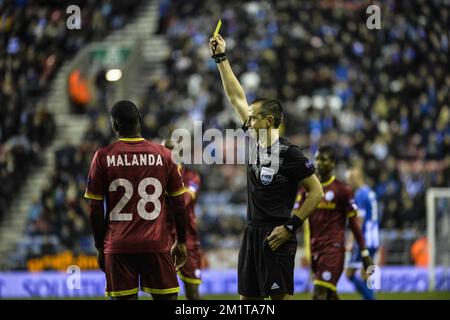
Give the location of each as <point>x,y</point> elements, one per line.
<point>189,280</point>
<point>192,193</point>
<point>121,293</point>
<point>327,183</point>
<point>307,241</point>
<point>161,291</point>
<point>326,205</point>
<point>93,196</point>
<point>176,193</point>
<point>131,139</point>
<point>352,214</point>
<point>325,284</point>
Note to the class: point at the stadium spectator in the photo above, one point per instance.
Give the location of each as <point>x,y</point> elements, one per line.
<point>419,252</point>
<point>79,92</point>
<point>341,84</point>
<point>36,41</point>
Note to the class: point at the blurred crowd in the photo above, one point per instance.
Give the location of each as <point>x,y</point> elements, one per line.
<point>381,97</point>
<point>58,220</point>
<point>34,41</point>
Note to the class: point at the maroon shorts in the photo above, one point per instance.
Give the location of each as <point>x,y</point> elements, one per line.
<point>327,268</point>
<point>152,272</point>
<point>190,272</point>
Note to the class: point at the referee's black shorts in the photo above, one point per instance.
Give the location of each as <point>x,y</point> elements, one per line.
<point>261,271</point>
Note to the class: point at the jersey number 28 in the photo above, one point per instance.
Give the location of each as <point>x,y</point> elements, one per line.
<point>116,215</point>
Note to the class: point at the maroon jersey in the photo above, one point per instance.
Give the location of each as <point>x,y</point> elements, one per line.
<point>327,222</point>
<point>133,177</point>
<point>191,181</point>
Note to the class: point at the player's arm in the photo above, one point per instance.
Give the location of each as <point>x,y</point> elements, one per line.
<point>233,88</point>
<point>315,193</point>
<point>356,230</point>
<point>95,194</point>
<point>354,225</point>
<point>178,251</point>
<point>351,239</point>
<point>192,188</point>
<point>180,216</point>
<point>98,227</point>
<point>97,222</point>
<point>176,190</point>
<point>189,196</point>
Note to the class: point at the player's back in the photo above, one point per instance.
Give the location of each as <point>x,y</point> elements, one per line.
<point>136,174</point>
<point>327,223</point>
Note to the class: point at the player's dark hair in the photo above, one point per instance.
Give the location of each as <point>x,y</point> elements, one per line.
<point>329,151</point>
<point>271,107</point>
<point>126,116</point>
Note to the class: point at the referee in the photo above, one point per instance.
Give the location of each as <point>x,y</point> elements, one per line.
<point>267,255</point>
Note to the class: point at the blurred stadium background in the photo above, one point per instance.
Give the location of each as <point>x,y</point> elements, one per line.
<point>380,96</point>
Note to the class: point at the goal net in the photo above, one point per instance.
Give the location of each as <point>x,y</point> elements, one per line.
<point>438,234</point>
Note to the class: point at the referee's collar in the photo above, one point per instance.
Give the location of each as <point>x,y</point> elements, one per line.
<point>330,181</point>
<point>275,143</point>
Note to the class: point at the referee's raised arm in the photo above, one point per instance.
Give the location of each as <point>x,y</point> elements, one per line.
<point>233,88</point>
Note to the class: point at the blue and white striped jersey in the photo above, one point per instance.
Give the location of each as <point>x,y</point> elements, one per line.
<point>366,200</point>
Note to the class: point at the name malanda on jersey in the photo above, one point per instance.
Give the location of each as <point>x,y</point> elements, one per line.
<point>144,159</point>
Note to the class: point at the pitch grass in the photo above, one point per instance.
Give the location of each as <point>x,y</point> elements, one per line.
<point>353,296</point>
<point>307,296</point>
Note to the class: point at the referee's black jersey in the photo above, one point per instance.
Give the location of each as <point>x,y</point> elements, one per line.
<point>272,191</point>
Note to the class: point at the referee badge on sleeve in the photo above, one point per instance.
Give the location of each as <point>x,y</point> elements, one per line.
<point>308,164</point>
<point>266,175</point>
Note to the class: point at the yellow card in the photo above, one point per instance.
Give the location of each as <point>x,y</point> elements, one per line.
<point>216,32</point>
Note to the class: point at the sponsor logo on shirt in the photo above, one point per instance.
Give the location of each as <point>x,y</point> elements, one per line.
<point>308,164</point>
<point>329,195</point>
<point>326,275</point>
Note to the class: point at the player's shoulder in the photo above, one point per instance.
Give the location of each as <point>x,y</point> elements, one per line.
<point>365,192</point>
<point>106,149</point>
<point>157,148</point>
<point>342,186</point>
<point>190,174</point>
<point>189,171</point>
<point>286,144</point>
